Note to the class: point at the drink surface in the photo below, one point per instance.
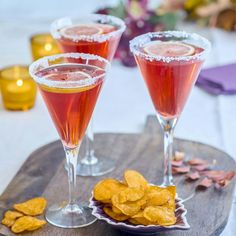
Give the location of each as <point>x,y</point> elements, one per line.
<point>103,48</point>
<point>169,81</point>
<point>71,107</point>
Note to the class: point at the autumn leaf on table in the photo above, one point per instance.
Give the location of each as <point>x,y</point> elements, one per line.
<point>177,163</point>
<point>180,170</point>
<point>201,167</point>
<point>197,161</point>
<point>215,175</point>
<point>226,181</point>
<point>179,156</point>
<point>204,183</point>
<point>192,176</point>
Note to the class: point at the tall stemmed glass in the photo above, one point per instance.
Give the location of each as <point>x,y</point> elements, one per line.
<point>100,35</point>
<point>70,84</point>
<point>169,63</point>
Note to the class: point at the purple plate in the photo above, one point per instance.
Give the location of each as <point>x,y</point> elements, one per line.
<point>180,213</point>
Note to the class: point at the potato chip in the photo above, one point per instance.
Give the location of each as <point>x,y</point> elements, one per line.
<point>170,204</point>
<point>154,188</point>
<point>135,180</point>
<point>172,190</point>
<point>140,221</point>
<point>130,194</point>
<point>141,202</point>
<point>157,189</point>
<point>115,216</point>
<point>128,208</point>
<point>138,202</point>
<point>12,215</point>
<point>116,210</point>
<point>32,207</point>
<point>105,189</point>
<point>158,198</point>
<point>160,215</point>
<point>133,221</point>
<point>8,222</point>
<point>138,215</point>
<point>27,223</point>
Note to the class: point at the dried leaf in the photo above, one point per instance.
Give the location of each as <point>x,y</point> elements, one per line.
<point>179,156</point>
<point>230,175</point>
<point>197,161</point>
<point>192,176</point>
<point>226,181</point>
<point>205,183</point>
<point>177,163</point>
<point>180,170</point>
<point>215,175</point>
<point>201,167</point>
<point>222,183</point>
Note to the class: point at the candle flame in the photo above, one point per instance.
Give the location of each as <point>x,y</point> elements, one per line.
<point>48,47</point>
<point>19,82</point>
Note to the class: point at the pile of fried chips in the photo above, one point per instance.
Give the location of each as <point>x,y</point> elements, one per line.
<point>136,201</point>
<point>22,218</point>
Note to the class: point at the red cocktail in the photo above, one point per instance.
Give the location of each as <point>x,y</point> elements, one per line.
<point>169,63</point>
<point>169,84</point>
<point>71,108</point>
<point>70,84</point>
<point>99,35</point>
<point>95,34</point>
<point>104,49</point>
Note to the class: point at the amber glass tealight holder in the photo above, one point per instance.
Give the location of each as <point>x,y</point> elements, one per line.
<point>18,88</point>
<point>43,45</point>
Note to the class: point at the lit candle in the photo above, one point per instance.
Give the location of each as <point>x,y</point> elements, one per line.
<point>43,45</point>
<point>18,88</point>
<point>18,91</point>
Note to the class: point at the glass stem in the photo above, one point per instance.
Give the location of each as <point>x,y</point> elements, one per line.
<point>72,158</point>
<point>168,153</point>
<point>89,143</point>
<point>89,158</point>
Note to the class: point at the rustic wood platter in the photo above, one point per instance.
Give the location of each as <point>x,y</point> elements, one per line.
<point>43,174</point>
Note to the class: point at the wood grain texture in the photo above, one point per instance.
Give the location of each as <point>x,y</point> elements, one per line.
<point>44,174</point>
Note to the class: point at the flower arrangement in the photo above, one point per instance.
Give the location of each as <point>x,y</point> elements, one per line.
<point>214,13</point>
<point>140,19</point>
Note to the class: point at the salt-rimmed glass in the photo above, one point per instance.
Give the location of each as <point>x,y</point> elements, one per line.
<point>169,80</point>
<point>57,25</point>
<point>104,45</point>
<point>70,101</point>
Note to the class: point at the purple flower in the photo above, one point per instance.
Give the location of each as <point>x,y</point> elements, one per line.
<point>104,11</point>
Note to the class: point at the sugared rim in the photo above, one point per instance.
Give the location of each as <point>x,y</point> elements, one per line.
<point>66,21</point>
<point>42,63</point>
<point>141,40</point>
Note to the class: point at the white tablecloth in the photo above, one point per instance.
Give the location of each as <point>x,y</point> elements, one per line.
<point>124,102</point>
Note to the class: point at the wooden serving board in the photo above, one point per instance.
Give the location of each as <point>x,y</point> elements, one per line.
<point>44,174</point>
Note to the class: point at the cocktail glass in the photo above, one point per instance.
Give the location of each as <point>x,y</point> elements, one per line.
<point>70,84</point>
<point>169,63</point>
<point>100,35</point>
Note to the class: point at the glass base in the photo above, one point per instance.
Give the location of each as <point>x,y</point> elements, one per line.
<point>95,167</point>
<point>69,216</point>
